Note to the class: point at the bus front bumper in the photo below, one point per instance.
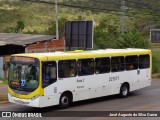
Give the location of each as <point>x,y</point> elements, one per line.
<point>27,102</point>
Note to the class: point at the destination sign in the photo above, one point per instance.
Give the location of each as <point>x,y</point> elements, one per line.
<point>24,59</point>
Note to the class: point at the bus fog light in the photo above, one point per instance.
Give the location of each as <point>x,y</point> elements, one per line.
<point>35,97</point>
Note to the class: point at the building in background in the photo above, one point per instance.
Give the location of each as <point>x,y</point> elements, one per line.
<point>11,43</point>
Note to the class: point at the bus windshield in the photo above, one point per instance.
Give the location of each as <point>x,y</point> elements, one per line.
<point>24,74</point>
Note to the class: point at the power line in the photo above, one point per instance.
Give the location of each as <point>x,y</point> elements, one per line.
<point>91,8</point>
<point>149,6</point>
<point>119,4</point>
<point>137,2</point>
<point>73,6</point>
<point>138,5</point>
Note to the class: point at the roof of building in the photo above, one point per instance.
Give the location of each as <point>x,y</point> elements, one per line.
<point>22,39</point>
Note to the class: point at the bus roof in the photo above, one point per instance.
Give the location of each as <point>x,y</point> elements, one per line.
<point>58,55</point>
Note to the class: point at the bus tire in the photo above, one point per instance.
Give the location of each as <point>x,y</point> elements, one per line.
<point>124,90</point>
<point>65,101</point>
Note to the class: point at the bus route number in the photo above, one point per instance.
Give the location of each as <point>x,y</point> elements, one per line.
<point>113,78</point>
<point>79,81</point>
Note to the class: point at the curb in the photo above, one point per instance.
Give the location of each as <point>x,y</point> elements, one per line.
<point>4,102</point>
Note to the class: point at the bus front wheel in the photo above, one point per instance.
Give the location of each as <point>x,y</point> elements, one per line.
<point>124,90</point>
<point>65,101</point>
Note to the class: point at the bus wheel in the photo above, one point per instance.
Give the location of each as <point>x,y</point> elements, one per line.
<point>124,91</point>
<point>65,101</point>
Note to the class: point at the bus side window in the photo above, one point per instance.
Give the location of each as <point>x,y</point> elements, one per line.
<point>102,65</point>
<point>144,61</point>
<point>131,62</point>
<point>117,64</point>
<point>85,67</point>
<point>49,73</point>
<point>67,68</point>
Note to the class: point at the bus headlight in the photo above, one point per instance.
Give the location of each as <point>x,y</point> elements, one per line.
<point>35,97</point>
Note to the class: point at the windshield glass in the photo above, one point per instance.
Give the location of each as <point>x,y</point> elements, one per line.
<point>24,74</point>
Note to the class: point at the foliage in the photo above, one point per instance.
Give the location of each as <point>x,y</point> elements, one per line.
<point>3,81</point>
<point>17,29</point>
<point>109,36</point>
<point>61,24</point>
<point>34,18</point>
<point>132,39</point>
<point>20,26</point>
<point>156,62</point>
<point>105,35</point>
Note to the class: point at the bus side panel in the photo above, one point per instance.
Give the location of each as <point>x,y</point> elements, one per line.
<point>92,86</point>
<point>143,80</point>
<point>132,78</point>
<point>51,100</point>
<point>95,86</point>
<point>51,95</point>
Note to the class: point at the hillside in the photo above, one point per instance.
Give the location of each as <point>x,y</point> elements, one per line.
<point>19,16</point>
<point>39,18</point>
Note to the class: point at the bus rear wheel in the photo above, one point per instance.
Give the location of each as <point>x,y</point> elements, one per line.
<point>65,101</point>
<point>124,90</point>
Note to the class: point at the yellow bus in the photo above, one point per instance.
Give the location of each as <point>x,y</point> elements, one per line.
<point>60,78</point>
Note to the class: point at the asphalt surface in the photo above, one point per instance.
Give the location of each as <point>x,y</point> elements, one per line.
<point>146,99</point>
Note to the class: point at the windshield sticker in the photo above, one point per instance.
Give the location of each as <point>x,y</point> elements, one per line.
<point>24,59</point>
<point>23,83</point>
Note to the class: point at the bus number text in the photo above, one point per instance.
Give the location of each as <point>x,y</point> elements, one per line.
<point>113,78</point>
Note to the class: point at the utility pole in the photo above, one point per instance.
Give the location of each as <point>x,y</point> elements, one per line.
<point>56,18</point>
<point>123,16</point>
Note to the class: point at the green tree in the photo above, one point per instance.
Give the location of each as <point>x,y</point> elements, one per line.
<point>18,29</point>
<point>61,24</point>
<point>20,26</point>
<point>132,39</point>
<point>105,35</point>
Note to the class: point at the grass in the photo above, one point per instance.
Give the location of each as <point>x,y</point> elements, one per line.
<point>3,98</point>
<point>156,62</point>
<point>3,81</point>
<point>156,76</point>
<point>155,45</point>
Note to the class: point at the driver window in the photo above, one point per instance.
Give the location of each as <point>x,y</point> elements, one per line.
<point>49,73</point>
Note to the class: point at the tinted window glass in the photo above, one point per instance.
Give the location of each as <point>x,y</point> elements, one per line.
<point>144,61</point>
<point>49,73</point>
<point>24,74</point>
<point>66,68</point>
<point>102,65</point>
<point>85,67</point>
<point>131,62</point>
<point>117,64</point>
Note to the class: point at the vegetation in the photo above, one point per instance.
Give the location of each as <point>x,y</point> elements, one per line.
<point>156,62</point>
<point>36,18</point>
<point>3,98</point>
<point>3,81</point>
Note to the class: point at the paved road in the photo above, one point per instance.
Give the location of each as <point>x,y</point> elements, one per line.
<point>147,99</point>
